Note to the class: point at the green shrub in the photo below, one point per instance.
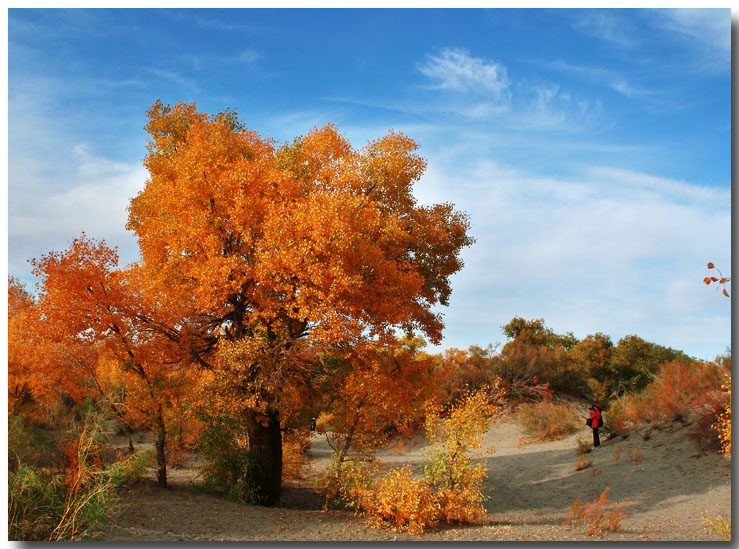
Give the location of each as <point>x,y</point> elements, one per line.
<point>344,481</point>
<point>35,503</point>
<point>71,503</point>
<point>224,447</point>
<point>31,445</point>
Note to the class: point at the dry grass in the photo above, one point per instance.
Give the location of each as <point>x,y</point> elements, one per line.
<point>582,463</point>
<point>635,455</point>
<point>547,420</point>
<point>598,516</point>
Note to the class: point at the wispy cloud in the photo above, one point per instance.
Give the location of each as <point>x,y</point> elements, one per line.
<point>702,36</point>
<point>708,28</point>
<point>606,25</point>
<point>612,250</point>
<point>249,56</point>
<point>455,69</point>
<point>549,107</point>
<point>613,80</point>
<point>481,89</point>
<point>175,77</point>
<point>198,18</point>
<point>471,86</point>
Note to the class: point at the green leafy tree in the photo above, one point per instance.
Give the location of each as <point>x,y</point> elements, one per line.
<point>535,332</point>
<point>634,362</point>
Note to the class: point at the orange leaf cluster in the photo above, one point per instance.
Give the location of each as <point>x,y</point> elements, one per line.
<point>722,280</point>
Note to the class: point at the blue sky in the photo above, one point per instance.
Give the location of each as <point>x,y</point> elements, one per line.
<point>591,148</point>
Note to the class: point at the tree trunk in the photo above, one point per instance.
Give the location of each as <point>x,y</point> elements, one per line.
<point>264,474</point>
<point>161,458</point>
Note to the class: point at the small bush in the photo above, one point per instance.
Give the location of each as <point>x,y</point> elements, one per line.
<point>451,486</point>
<point>677,389</point>
<point>583,446</point>
<point>582,462</point>
<point>547,420</point>
<point>224,447</point>
<point>598,516</point>
<point>635,455</point>
<point>449,467</point>
<point>709,410</point>
<point>344,483</point>
<point>617,417</point>
<point>401,501</point>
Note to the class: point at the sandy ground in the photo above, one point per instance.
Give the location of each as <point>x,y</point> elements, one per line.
<point>530,487</point>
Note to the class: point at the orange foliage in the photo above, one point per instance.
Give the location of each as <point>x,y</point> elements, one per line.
<point>457,371</point>
<point>313,238</point>
<point>401,501</point>
<point>291,249</point>
<point>381,389</point>
<point>598,516</point>
<point>88,303</point>
<point>720,281</point>
<point>677,388</point>
<point>723,425</point>
<point>450,489</point>
<point>22,316</point>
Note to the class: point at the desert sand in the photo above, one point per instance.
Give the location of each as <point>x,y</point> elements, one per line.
<point>530,487</point>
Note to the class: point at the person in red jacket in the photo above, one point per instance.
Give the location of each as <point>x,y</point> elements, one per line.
<point>595,416</point>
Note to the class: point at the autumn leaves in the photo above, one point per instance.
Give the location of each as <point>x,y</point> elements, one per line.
<point>293,250</point>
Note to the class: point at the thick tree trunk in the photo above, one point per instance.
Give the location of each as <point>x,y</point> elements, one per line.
<point>161,458</point>
<point>265,472</point>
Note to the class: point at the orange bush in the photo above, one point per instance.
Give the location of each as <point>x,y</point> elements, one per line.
<point>709,410</point>
<point>460,435</point>
<point>677,388</point>
<point>451,487</point>
<point>404,502</point>
<point>598,516</point>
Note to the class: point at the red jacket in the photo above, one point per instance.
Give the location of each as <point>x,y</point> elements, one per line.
<point>595,414</point>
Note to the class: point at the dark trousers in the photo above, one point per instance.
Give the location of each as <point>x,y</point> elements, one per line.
<point>596,437</point>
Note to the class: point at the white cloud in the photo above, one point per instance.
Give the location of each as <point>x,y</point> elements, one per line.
<point>612,251</point>
<point>473,87</point>
<point>455,69</point>
<point>709,28</point>
<point>614,81</point>
<point>249,56</point>
<point>606,25</point>
<point>91,197</point>
<point>174,76</point>
<point>480,89</point>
